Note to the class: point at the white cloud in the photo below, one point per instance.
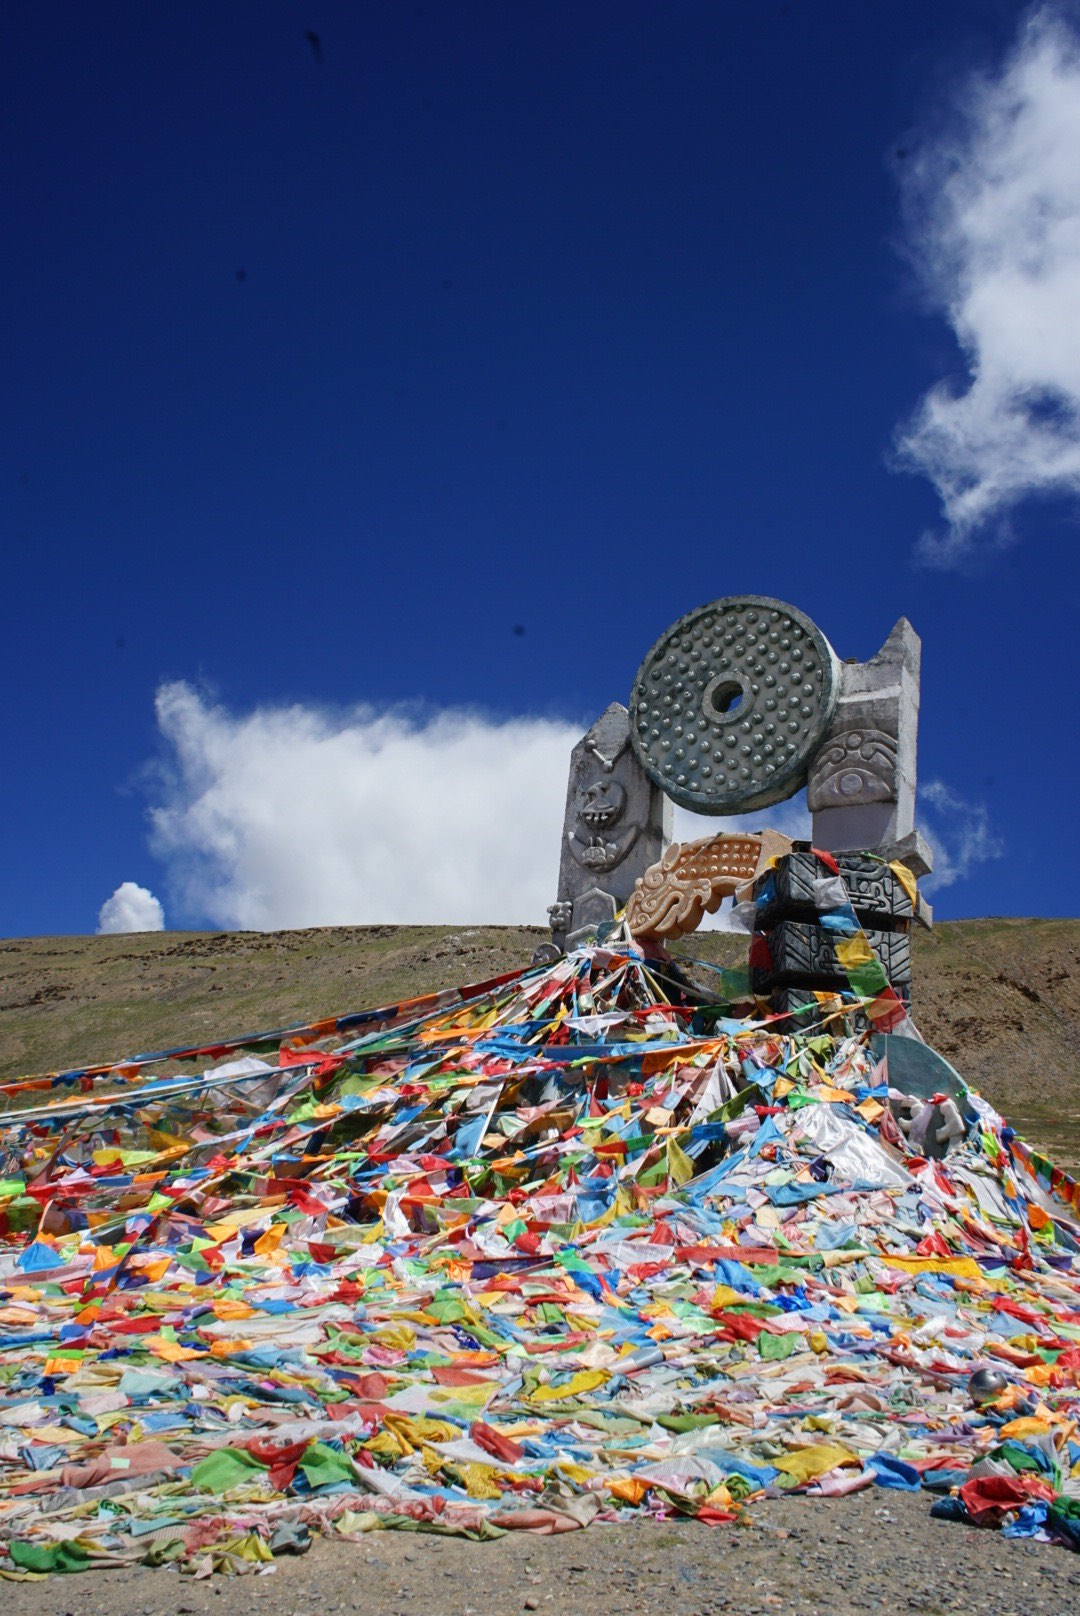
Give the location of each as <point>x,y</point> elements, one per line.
<point>993,209</point>
<point>131,908</point>
<point>294,816</point>
<point>959,832</point>
<point>290,816</point>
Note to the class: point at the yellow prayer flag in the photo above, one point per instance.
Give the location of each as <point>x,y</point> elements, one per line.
<point>854,951</point>
<point>809,1463</point>
<point>680,1167</point>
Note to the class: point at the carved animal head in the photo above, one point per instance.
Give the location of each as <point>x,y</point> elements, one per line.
<point>605,803</point>
<point>560,915</point>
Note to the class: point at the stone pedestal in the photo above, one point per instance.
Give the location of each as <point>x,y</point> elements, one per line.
<point>617,824</point>
<point>877,897</point>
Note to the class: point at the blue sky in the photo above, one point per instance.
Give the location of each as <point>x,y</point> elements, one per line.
<point>420,374</point>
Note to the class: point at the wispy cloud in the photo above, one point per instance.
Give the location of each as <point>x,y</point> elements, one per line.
<point>960,833</point>
<point>131,908</point>
<point>993,225</point>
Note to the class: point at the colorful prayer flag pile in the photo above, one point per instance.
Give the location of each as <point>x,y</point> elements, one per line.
<point>564,1248</point>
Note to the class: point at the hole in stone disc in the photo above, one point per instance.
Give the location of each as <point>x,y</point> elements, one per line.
<point>723,698</point>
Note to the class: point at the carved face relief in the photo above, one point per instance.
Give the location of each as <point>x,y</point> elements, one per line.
<point>605,802</point>
<point>855,768</point>
<point>598,840</point>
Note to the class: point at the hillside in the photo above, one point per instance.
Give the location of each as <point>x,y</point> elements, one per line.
<point>1000,998</point>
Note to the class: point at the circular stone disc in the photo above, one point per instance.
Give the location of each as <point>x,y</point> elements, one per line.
<point>730,705</point>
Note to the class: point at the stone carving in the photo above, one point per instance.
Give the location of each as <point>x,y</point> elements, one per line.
<point>793,950</point>
<point>857,767</point>
<point>617,823</point>
<point>877,897</point>
<point>561,916</point>
<point>803,953</point>
<point>862,782</point>
<point>731,703</point>
<point>603,807</point>
<point>693,879</point>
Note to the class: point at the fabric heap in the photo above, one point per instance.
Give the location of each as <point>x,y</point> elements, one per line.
<point>562,1248</point>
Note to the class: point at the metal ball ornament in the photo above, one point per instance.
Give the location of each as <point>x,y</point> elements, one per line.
<point>987,1384</point>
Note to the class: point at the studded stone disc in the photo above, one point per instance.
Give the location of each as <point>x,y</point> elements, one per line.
<point>730,705</point>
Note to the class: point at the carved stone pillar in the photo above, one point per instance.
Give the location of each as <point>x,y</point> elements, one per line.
<point>861,789</point>
<point>617,823</point>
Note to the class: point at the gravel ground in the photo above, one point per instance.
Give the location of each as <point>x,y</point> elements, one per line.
<point>875,1551</point>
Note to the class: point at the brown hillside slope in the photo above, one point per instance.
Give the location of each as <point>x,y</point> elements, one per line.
<point>999,998</point>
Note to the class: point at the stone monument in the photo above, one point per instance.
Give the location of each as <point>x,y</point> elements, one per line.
<point>617,823</point>
<point>737,706</point>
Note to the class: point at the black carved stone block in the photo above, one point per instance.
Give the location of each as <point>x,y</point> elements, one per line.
<point>804,955</point>
<point>877,897</point>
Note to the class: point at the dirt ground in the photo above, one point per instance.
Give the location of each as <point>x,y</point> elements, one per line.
<point>878,1550</point>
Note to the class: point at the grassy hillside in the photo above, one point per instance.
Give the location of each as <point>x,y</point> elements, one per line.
<point>999,998</point>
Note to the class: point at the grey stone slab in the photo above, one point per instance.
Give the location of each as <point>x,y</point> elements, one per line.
<point>617,823</point>
<point>592,910</point>
<point>913,850</point>
<point>917,1069</point>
